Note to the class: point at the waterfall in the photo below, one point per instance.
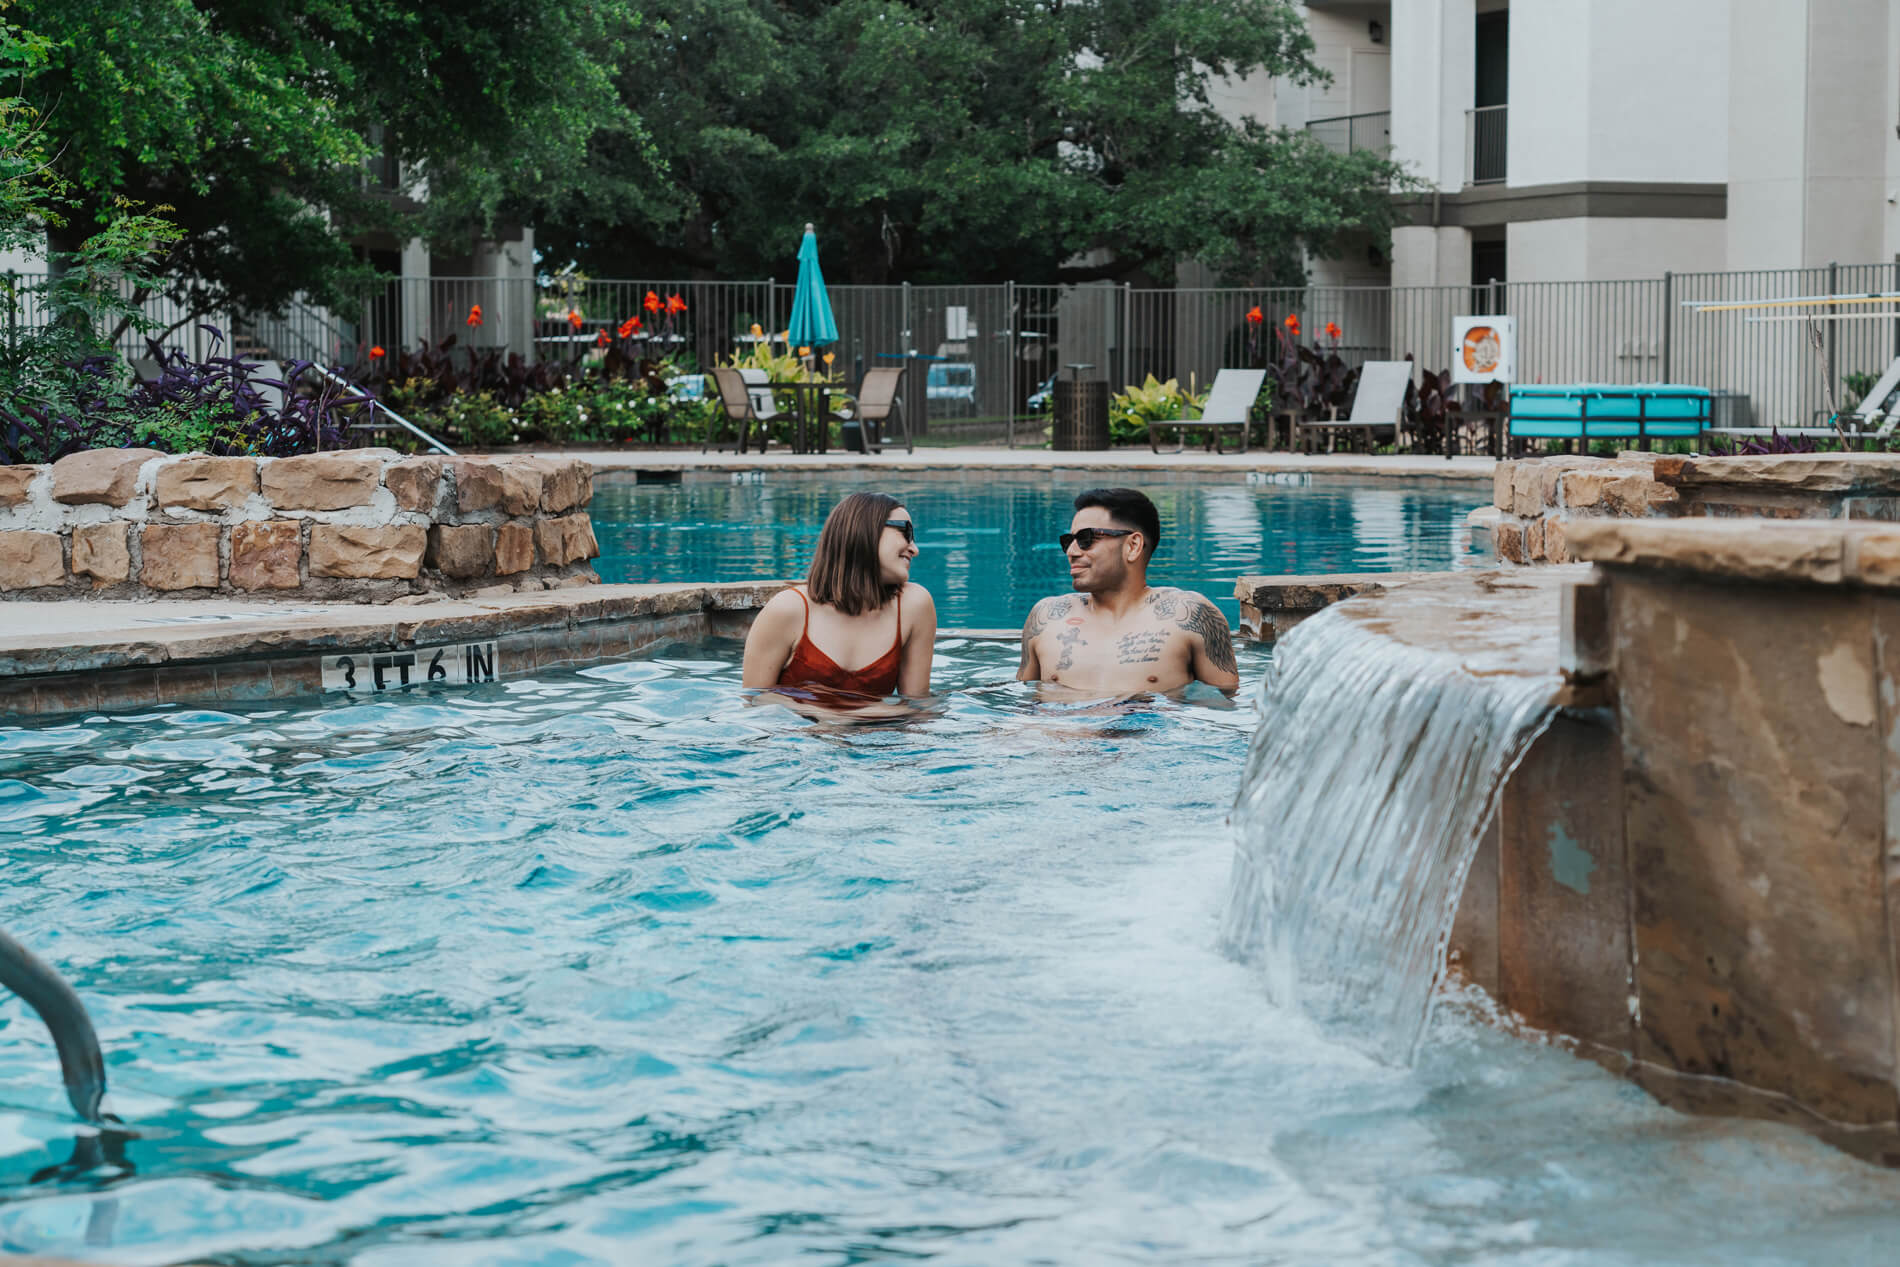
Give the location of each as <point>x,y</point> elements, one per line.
<point>1388,725</point>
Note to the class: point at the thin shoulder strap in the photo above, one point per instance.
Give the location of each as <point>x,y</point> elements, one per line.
<point>897,643</point>
<point>807,602</point>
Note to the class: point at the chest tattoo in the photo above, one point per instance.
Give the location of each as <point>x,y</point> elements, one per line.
<point>1144,646</point>
<point>1070,638</point>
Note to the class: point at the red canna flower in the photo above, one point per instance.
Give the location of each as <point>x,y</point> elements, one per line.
<point>1332,331</point>
<point>376,353</point>
<point>1293,322</point>
<point>675,304</point>
<point>574,318</point>
<point>1255,316</point>
<point>652,302</point>
<point>601,339</point>
<point>629,327</point>
<point>475,315</point>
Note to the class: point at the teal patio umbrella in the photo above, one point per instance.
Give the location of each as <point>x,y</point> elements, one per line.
<point>812,323</point>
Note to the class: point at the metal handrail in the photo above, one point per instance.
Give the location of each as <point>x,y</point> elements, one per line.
<point>375,404</point>
<point>1355,129</point>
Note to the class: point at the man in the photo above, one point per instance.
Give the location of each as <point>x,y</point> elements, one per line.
<point>1115,636</point>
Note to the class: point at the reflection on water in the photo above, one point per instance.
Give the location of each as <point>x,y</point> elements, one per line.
<point>608,967</point>
<point>989,544</point>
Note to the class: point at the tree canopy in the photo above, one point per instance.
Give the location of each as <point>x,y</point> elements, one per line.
<point>976,140</point>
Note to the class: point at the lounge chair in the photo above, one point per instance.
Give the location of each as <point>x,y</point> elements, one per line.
<point>740,407</point>
<point>1873,419</point>
<point>878,402</point>
<point>1377,405</point>
<point>1229,404</point>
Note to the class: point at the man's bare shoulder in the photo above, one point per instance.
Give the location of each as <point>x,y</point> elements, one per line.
<point>1051,609</point>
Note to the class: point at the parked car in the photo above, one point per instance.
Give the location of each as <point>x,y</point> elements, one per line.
<point>1043,399</point>
<point>950,388</point>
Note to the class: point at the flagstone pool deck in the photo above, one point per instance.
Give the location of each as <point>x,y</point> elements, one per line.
<point>986,459</point>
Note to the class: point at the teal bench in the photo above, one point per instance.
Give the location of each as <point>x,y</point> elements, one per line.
<point>1608,411</point>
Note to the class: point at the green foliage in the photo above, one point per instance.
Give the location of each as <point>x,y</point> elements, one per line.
<point>209,425</point>
<point>982,141</point>
<point>1133,408</point>
<point>473,420</point>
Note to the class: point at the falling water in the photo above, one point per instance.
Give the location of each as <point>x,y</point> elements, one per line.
<point>1387,728</point>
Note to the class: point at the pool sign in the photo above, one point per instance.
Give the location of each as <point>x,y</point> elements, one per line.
<point>1483,349</point>
<point>368,672</point>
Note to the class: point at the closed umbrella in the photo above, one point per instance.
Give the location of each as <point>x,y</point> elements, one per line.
<point>812,323</point>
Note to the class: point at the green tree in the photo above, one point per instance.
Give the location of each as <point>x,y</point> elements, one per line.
<point>253,119</point>
<point>976,140</point>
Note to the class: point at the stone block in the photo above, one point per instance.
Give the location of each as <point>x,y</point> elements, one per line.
<point>198,482</point>
<point>510,485</point>
<point>514,549</point>
<point>567,486</point>
<point>1534,540</point>
<point>266,555</point>
<point>1563,887</point>
<point>1873,555</point>
<point>415,483</point>
<point>1583,490</point>
<point>1755,824</point>
<point>322,481</point>
<point>1811,472</point>
<point>14,483</point>
<point>103,477</point>
<point>101,552</point>
<point>1669,470</point>
<point>1509,537</point>
<point>29,560</point>
<point>1527,490</point>
<point>1501,483</point>
<point>1742,549</point>
<point>567,539</point>
<point>179,556</point>
<point>1634,496</point>
<point>1556,544</point>
<point>462,551</point>
<point>390,552</point>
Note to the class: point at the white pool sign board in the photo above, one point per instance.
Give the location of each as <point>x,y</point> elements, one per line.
<point>370,672</point>
<point>1483,349</point>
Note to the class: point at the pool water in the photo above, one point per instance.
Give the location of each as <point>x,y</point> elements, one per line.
<point>608,967</point>
<point>988,539</point>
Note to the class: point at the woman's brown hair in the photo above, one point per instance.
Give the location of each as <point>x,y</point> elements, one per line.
<point>845,572</point>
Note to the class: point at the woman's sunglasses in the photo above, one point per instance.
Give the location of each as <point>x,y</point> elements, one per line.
<point>1087,537</point>
<point>904,526</point>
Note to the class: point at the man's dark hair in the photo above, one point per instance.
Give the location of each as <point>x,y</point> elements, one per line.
<point>1129,508</point>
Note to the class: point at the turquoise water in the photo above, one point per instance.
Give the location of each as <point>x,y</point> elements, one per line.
<point>607,967</point>
<point>989,538</point>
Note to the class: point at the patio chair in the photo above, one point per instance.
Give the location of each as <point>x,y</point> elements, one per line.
<point>1229,402</point>
<point>1377,404</point>
<point>740,407</point>
<point>878,403</point>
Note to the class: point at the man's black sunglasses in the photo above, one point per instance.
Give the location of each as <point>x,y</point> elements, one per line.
<point>904,526</point>
<point>1087,537</point>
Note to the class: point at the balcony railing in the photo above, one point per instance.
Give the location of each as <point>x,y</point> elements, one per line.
<point>1345,133</point>
<point>1484,145</point>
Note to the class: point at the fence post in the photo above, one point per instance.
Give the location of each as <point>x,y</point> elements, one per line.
<point>1668,312</point>
<point>1831,371</point>
<point>1009,374</point>
<point>1128,327</point>
<point>13,308</point>
<point>907,342</point>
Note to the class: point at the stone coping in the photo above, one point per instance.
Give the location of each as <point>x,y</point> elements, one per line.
<point>1806,472</point>
<point>83,636</point>
<point>1319,590</point>
<point>1408,465</point>
<point>1803,552</point>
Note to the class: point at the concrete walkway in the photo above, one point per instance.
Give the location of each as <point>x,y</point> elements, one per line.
<point>984,458</point>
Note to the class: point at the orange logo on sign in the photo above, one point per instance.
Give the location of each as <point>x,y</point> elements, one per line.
<point>1483,349</point>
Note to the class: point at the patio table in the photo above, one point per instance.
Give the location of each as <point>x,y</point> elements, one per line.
<point>811,415</point>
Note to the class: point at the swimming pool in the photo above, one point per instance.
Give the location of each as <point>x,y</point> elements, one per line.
<point>989,538</point>
<point>605,967</point>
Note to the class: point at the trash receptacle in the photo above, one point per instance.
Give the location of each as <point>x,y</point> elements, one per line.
<point>1081,416</point>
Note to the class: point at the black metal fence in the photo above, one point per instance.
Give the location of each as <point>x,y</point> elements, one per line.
<point>988,355</point>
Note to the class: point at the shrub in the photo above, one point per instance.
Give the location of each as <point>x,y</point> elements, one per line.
<point>1130,411</point>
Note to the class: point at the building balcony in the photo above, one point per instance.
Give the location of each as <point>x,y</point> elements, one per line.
<point>1484,145</point>
<point>1345,133</point>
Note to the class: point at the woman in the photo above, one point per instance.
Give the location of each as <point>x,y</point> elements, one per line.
<point>858,629</point>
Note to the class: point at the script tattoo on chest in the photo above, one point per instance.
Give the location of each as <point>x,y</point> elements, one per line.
<point>1144,646</point>
<point>1070,638</point>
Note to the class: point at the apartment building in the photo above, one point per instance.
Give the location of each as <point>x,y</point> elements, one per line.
<point>1574,140</point>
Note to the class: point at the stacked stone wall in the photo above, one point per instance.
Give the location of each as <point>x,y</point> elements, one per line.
<point>1538,499</point>
<point>365,525</point>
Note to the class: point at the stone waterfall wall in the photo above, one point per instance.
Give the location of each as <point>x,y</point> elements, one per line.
<point>366,525</point>
<point>1538,499</point>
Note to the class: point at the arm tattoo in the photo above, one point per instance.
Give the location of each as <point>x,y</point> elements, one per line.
<point>1144,646</point>
<point>1070,638</point>
<point>1049,609</point>
<point>1204,619</point>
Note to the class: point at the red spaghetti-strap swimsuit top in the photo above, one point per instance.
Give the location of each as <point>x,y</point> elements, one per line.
<point>809,667</point>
